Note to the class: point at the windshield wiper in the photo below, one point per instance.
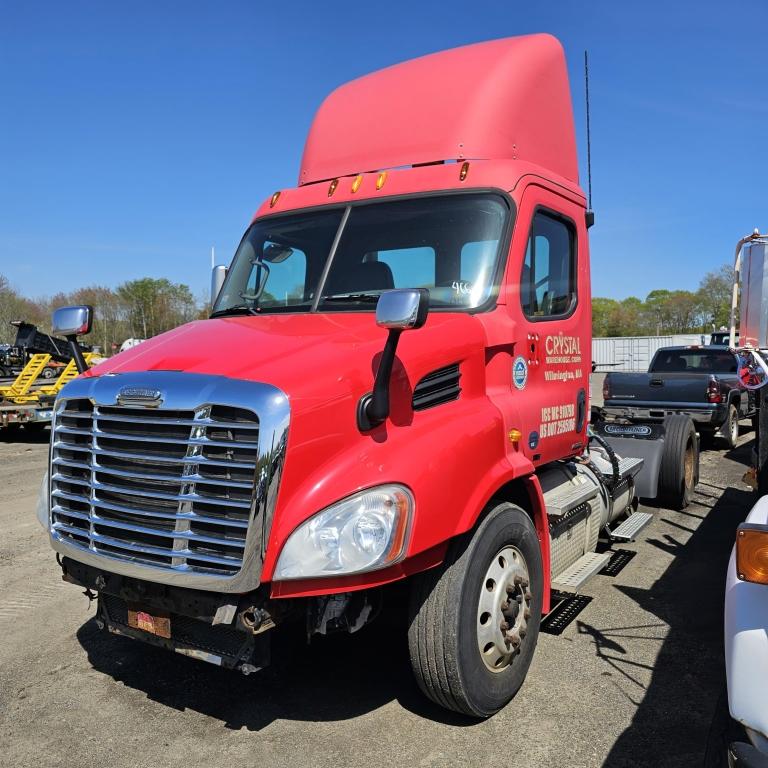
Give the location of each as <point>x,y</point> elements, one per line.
<point>366,297</point>
<point>237,309</point>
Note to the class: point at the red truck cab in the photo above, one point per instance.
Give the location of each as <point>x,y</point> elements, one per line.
<point>234,472</point>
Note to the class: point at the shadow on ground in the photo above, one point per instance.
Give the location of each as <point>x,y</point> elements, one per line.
<point>34,434</point>
<point>680,705</point>
<point>331,679</point>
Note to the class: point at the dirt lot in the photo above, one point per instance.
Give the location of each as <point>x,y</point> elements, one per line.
<point>634,681</point>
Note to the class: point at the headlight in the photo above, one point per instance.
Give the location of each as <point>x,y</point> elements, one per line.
<point>364,532</point>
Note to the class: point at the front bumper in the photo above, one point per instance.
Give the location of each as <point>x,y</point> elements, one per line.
<point>225,630</point>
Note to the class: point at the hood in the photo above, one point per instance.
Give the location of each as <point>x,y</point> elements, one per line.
<point>315,356</point>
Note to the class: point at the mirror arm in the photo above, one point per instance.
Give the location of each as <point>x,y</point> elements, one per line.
<point>373,408</point>
<point>77,354</point>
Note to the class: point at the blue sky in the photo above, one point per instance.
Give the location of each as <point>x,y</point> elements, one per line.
<point>134,136</point>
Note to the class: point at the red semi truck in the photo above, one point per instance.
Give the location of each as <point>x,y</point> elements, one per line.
<point>293,455</point>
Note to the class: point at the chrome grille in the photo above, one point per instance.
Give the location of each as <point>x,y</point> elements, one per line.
<point>167,488</point>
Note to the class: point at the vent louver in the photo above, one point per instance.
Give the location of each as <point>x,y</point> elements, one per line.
<point>440,386</point>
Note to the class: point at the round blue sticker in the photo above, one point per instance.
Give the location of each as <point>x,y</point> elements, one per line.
<point>520,372</point>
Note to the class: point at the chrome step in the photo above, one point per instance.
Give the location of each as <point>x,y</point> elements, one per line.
<point>630,466</point>
<point>631,527</point>
<point>576,575</point>
<point>570,498</point>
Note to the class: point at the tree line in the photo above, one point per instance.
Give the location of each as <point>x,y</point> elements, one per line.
<point>146,307</point>
<point>664,312</point>
<point>134,309</point>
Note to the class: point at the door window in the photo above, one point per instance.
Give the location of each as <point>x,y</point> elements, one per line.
<point>548,280</point>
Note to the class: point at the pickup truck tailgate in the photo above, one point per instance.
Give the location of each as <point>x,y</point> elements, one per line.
<point>678,388</point>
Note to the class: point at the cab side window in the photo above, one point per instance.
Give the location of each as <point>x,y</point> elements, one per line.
<point>548,280</point>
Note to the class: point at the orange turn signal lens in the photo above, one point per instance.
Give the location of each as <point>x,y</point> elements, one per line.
<point>274,199</point>
<point>332,187</point>
<point>752,553</point>
<point>380,181</point>
<point>357,182</point>
<point>464,171</point>
<point>515,435</point>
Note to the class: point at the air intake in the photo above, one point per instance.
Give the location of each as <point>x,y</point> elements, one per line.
<point>440,386</point>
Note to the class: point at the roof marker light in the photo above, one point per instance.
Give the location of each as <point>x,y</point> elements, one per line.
<point>464,171</point>
<point>274,199</point>
<point>332,187</point>
<point>380,181</point>
<point>357,182</point>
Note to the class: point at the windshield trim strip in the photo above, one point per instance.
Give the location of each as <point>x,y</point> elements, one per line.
<point>329,260</point>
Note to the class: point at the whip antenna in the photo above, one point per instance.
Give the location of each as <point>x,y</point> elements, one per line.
<point>590,212</point>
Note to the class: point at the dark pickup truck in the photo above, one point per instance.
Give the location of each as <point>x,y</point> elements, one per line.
<point>700,382</point>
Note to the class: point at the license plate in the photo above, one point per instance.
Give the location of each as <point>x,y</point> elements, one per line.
<point>153,623</point>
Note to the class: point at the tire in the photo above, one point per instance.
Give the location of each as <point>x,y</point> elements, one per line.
<point>679,471</point>
<point>447,615</point>
<point>47,373</point>
<point>730,429</point>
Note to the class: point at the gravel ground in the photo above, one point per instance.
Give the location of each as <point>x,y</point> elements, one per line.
<point>634,681</point>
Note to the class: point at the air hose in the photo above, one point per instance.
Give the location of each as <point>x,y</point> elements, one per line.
<point>614,481</point>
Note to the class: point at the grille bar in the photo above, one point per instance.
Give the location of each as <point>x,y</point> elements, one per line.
<point>184,504</point>
<point>196,478</point>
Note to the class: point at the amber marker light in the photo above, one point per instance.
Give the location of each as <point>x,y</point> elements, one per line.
<point>464,171</point>
<point>380,181</point>
<point>752,553</point>
<point>273,200</point>
<point>357,182</point>
<point>515,436</point>
<point>332,187</point>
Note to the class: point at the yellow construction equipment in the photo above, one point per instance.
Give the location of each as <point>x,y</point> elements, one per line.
<point>69,373</point>
<point>21,392</point>
<point>18,391</point>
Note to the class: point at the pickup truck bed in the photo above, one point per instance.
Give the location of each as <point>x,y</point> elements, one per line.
<point>700,382</point>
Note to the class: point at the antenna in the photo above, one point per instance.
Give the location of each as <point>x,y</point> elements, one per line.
<point>589,142</point>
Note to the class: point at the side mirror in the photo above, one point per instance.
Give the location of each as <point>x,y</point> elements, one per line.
<point>752,370</point>
<point>402,309</point>
<point>72,321</point>
<point>397,310</point>
<point>218,276</point>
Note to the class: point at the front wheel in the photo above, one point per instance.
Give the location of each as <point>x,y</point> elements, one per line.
<point>47,373</point>
<point>474,621</point>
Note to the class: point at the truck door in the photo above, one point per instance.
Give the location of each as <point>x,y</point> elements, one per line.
<point>552,359</point>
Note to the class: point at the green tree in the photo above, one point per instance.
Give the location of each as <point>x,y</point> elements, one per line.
<point>715,293</point>
<point>154,305</point>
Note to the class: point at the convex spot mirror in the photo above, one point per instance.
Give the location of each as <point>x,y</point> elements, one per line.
<point>752,370</point>
<point>402,309</point>
<point>72,321</point>
<point>275,253</point>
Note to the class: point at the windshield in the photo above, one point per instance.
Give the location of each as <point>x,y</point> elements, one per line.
<point>342,259</point>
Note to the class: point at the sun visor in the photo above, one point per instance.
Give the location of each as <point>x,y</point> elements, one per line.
<point>503,99</point>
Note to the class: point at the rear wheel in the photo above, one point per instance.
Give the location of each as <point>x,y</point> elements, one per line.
<point>679,471</point>
<point>47,373</point>
<point>730,429</point>
<point>474,621</point>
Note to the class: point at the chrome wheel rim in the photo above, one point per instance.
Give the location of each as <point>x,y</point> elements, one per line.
<point>503,609</point>
<point>734,429</point>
